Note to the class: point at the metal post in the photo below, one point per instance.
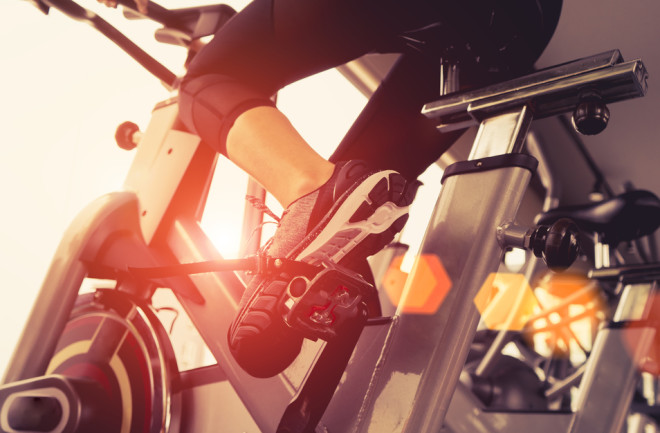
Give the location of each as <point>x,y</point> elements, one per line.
<point>618,349</point>
<point>425,353</point>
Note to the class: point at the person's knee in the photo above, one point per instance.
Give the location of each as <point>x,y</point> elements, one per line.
<point>209,105</point>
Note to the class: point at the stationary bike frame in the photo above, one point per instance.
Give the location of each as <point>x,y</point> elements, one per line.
<point>404,373</point>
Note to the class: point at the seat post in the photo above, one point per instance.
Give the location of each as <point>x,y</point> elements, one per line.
<point>449,77</point>
<point>601,253</point>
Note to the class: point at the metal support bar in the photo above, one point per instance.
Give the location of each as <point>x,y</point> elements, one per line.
<point>601,253</point>
<point>471,206</point>
<point>502,134</point>
<point>610,353</point>
<point>617,349</point>
<point>548,93</point>
<point>467,415</point>
<point>102,219</point>
<point>449,78</point>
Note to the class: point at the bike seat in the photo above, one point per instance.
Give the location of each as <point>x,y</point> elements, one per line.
<point>625,217</point>
<point>493,39</point>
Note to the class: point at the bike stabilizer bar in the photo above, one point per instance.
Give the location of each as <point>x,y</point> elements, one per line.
<point>546,93</point>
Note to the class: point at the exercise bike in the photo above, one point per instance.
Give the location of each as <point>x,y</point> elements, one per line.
<point>103,361</point>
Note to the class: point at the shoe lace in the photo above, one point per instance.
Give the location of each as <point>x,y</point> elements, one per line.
<point>259,204</point>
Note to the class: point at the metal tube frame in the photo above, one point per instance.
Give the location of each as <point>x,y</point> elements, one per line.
<point>471,206</point>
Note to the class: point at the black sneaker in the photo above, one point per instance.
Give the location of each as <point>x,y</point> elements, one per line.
<point>352,216</point>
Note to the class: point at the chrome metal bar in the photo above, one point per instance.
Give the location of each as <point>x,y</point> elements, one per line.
<point>504,336</point>
<point>471,206</point>
<point>632,303</point>
<point>467,415</point>
<point>563,385</point>
<point>487,363</point>
<point>502,134</point>
<point>548,93</point>
<point>449,78</point>
<point>601,253</point>
<point>603,404</point>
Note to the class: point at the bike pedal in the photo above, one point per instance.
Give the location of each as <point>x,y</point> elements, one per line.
<point>322,306</point>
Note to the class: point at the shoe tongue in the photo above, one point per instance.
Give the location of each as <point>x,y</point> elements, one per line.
<point>293,226</point>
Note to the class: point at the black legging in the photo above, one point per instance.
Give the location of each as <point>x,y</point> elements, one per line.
<point>272,43</point>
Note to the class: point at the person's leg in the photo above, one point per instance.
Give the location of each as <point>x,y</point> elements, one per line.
<point>225,96</point>
<point>391,131</point>
<point>267,47</point>
<point>225,99</point>
<point>287,166</point>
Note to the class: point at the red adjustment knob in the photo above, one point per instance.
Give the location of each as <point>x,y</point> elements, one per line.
<point>127,135</point>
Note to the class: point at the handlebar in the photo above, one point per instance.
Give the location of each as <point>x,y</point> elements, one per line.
<point>194,21</point>
<point>189,24</point>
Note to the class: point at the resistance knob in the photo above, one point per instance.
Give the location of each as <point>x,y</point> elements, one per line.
<point>591,115</point>
<point>556,244</point>
<point>128,135</point>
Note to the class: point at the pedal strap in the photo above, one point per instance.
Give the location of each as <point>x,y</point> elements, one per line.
<point>258,264</point>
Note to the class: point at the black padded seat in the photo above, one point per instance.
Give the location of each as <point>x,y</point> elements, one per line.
<point>490,41</point>
<point>625,217</point>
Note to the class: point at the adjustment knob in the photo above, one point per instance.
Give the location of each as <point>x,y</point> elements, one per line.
<point>591,115</point>
<point>556,244</point>
<point>127,135</point>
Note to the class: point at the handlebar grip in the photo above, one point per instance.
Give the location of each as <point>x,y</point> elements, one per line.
<point>39,4</point>
<point>74,10</point>
<point>71,9</point>
<point>130,4</point>
<point>155,11</point>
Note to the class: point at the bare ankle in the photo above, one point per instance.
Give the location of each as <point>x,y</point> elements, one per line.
<point>309,180</point>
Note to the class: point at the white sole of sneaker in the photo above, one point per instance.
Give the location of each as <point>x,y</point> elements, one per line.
<point>340,236</point>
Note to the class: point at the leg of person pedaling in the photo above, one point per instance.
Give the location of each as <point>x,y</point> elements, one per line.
<point>288,168</point>
<point>337,214</point>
